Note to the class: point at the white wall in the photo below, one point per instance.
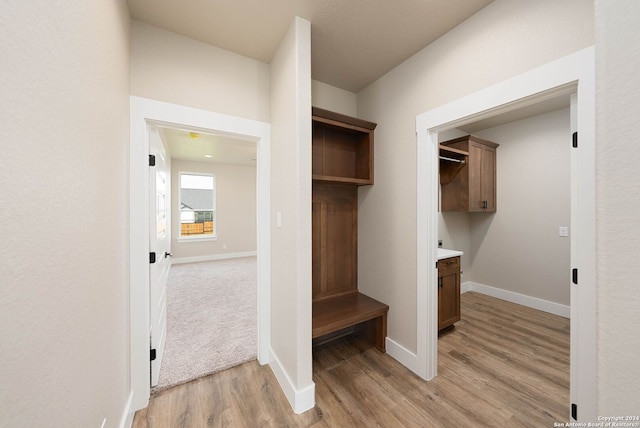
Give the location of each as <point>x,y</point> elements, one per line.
<point>172,68</point>
<point>64,218</point>
<point>618,205</point>
<point>504,39</point>
<point>291,198</point>
<point>235,210</point>
<point>333,99</point>
<point>518,248</point>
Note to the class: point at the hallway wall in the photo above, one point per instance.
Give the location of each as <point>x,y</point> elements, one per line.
<point>618,204</point>
<point>168,67</point>
<point>64,310</point>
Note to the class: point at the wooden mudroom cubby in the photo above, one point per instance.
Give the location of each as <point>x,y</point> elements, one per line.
<point>342,161</point>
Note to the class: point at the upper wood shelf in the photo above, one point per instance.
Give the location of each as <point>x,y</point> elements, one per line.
<point>342,148</point>
<point>341,120</point>
<point>452,151</point>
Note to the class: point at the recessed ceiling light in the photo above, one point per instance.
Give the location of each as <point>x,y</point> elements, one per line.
<point>208,156</point>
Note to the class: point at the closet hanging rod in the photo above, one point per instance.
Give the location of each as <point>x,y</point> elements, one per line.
<point>452,159</point>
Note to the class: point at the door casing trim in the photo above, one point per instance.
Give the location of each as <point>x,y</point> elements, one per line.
<point>573,74</point>
<point>144,111</point>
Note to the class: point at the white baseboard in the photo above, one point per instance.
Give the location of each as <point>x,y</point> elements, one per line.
<point>465,286</point>
<point>300,400</point>
<point>521,299</point>
<point>210,257</point>
<point>127,414</point>
<point>402,355</point>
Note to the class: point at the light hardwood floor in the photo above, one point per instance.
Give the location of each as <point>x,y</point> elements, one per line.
<point>502,365</point>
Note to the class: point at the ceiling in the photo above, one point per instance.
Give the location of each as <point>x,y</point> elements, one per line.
<point>204,147</point>
<point>353,42</point>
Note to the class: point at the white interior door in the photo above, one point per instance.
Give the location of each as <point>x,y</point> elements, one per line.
<point>160,249</point>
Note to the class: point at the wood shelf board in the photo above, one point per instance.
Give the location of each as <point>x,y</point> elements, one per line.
<point>452,151</point>
<point>341,120</point>
<point>470,137</point>
<point>341,180</point>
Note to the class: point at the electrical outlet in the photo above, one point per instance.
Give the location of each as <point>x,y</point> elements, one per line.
<point>224,246</point>
<point>563,231</point>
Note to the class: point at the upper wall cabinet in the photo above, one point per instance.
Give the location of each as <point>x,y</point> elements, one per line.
<point>342,148</point>
<point>468,174</point>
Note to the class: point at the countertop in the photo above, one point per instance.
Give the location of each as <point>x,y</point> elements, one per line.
<point>445,254</point>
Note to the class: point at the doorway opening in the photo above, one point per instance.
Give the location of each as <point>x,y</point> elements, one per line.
<point>522,248</point>
<point>145,114</point>
<point>515,289</point>
<point>573,75</point>
<point>211,289</point>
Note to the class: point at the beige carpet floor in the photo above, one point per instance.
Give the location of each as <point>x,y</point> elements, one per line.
<point>211,319</point>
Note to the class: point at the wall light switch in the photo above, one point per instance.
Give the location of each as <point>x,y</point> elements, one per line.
<point>563,231</point>
<point>278,219</point>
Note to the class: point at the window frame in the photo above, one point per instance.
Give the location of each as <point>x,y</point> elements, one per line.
<point>200,237</point>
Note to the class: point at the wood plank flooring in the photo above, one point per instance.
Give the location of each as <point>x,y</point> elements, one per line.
<point>502,365</point>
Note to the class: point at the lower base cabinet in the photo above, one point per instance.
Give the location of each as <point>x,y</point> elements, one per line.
<point>448,292</point>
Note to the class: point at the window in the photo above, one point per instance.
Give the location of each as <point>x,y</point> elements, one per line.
<point>197,206</point>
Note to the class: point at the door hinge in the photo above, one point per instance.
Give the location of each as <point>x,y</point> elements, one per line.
<point>152,355</point>
<point>152,257</point>
<point>574,411</point>
<point>152,160</point>
<point>575,139</point>
<point>574,276</point>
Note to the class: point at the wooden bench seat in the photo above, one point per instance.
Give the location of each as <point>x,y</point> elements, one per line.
<point>337,313</point>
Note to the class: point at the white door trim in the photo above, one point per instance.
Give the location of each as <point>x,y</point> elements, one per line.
<point>574,73</point>
<point>143,112</point>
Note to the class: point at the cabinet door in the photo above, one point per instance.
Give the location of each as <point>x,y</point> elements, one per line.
<point>448,292</point>
<point>476,164</point>
<point>482,177</point>
<point>488,178</point>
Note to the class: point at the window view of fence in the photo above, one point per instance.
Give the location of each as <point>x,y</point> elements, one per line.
<point>197,205</point>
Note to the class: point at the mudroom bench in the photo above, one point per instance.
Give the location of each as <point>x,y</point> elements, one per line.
<point>345,314</point>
